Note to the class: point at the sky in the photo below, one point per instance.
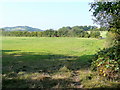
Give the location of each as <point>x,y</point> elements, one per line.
<point>45,14</point>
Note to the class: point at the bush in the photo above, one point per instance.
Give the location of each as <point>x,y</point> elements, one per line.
<point>110,39</point>
<point>94,34</point>
<point>86,35</point>
<point>107,62</point>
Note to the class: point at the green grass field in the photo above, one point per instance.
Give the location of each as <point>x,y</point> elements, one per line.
<point>50,62</point>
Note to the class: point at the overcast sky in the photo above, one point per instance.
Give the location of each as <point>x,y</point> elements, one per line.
<point>45,14</point>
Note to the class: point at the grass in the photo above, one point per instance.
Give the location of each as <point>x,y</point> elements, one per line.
<point>50,62</point>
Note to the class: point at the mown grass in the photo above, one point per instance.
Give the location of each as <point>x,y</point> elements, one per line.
<point>50,62</point>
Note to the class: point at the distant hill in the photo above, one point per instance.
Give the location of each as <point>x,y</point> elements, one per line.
<point>21,28</point>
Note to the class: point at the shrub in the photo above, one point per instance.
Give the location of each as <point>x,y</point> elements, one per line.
<point>110,39</point>
<point>86,35</point>
<point>107,62</point>
<point>94,34</point>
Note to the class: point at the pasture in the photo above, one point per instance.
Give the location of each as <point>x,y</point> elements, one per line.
<point>50,62</point>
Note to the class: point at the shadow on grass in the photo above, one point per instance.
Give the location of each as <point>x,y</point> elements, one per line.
<point>4,51</point>
<point>32,62</point>
<point>44,83</point>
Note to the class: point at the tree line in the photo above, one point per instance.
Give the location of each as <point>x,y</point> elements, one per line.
<point>76,31</point>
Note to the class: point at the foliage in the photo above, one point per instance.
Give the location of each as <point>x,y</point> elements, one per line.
<point>106,13</point>
<point>95,34</point>
<point>76,31</point>
<point>62,32</point>
<point>103,29</point>
<point>107,62</point>
<point>110,39</point>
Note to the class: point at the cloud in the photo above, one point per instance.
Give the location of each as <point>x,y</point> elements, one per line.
<point>46,0</point>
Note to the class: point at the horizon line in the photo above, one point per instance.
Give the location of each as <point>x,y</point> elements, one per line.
<point>48,28</point>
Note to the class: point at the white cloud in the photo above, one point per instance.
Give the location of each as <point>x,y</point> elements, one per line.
<point>46,0</point>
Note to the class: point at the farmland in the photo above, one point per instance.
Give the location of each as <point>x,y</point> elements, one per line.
<point>50,62</point>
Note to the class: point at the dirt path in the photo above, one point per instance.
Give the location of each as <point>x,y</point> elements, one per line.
<point>76,80</point>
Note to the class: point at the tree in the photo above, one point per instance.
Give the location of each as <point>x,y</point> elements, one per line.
<point>63,32</point>
<point>86,34</point>
<point>95,34</point>
<point>107,14</point>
